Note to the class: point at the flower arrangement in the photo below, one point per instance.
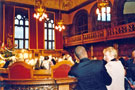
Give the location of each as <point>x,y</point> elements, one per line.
<point>6,54</point>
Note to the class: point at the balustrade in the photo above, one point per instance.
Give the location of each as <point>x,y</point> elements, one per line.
<point>117,32</point>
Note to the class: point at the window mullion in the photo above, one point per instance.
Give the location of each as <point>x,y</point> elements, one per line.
<point>47,36</point>
<point>18,44</point>
<point>51,39</point>
<point>24,33</point>
<point>20,30</point>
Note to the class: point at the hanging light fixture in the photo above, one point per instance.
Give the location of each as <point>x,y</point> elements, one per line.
<point>40,12</point>
<point>59,26</point>
<point>101,5</point>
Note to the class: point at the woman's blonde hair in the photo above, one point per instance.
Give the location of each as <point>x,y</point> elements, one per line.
<point>112,51</point>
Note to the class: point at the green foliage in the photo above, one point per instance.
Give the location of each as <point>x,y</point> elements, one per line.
<point>8,54</point>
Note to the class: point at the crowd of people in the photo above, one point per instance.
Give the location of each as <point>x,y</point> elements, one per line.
<point>111,73</point>
<point>45,62</point>
<point>108,74</point>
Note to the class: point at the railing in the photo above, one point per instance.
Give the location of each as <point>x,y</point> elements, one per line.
<point>74,39</point>
<point>122,31</point>
<point>118,32</point>
<point>94,36</point>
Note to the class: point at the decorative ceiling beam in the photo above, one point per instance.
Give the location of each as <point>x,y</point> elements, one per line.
<point>66,5</point>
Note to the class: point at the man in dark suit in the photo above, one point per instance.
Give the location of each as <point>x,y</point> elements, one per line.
<point>130,69</point>
<point>91,74</point>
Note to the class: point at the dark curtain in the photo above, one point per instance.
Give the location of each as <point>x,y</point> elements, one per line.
<point>1,23</point>
<point>32,30</point>
<point>9,19</point>
<point>58,39</point>
<point>41,35</point>
<point>58,35</point>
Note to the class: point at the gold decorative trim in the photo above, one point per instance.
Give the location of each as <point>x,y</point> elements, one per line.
<point>13,27</point>
<point>36,33</point>
<point>59,64</point>
<point>29,27</point>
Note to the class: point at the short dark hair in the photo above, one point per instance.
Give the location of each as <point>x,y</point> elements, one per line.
<point>133,49</point>
<point>46,58</point>
<point>63,54</point>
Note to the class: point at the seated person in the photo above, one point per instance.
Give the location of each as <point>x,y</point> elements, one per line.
<point>68,57</point>
<point>46,63</point>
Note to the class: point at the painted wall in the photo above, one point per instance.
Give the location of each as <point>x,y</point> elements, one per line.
<point>129,8</point>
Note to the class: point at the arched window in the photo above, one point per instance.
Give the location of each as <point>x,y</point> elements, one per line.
<point>49,32</point>
<point>21,28</point>
<point>100,20</point>
<point>81,22</point>
<point>128,11</point>
<point>105,15</point>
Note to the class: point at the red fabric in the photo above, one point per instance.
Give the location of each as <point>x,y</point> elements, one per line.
<point>58,39</point>
<point>20,72</point>
<point>58,35</point>
<point>61,71</point>
<point>9,19</point>
<point>40,35</point>
<point>1,24</point>
<point>32,30</point>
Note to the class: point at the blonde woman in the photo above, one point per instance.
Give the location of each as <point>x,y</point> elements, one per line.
<point>114,68</point>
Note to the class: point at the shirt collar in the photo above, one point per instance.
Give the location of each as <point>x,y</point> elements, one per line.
<point>84,59</point>
<point>113,59</point>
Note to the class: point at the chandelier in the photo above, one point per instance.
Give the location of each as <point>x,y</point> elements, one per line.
<point>101,4</point>
<point>40,12</point>
<point>59,26</point>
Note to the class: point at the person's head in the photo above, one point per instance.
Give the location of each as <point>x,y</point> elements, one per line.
<point>63,54</point>
<point>133,53</point>
<point>53,60</point>
<point>110,53</point>
<point>46,58</point>
<point>80,52</point>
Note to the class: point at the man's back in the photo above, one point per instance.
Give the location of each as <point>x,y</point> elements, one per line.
<point>91,75</point>
<point>130,69</point>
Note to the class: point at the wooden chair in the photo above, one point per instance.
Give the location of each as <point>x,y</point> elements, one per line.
<point>20,70</point>
<point>61,69</point>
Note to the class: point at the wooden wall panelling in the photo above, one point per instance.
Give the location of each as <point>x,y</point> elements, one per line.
<point>126,47</point>
<point>98,49</point>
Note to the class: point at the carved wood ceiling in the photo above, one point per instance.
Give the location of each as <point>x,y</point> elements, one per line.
<point>54,4</point>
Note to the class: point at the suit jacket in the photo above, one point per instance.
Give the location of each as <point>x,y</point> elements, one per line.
<point>91,75</point>
<point>130,69</point>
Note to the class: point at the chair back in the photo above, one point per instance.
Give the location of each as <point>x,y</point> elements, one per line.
<point>20,70</point>
<point>61,69</point>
